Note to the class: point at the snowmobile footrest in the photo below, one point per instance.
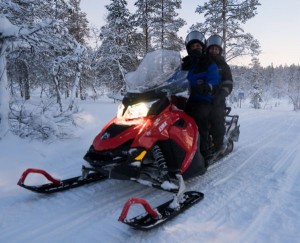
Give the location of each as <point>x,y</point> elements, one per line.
<point>160,214</point>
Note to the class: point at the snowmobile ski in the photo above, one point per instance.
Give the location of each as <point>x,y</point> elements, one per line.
<point>160,214</point>
<point>59,185</point>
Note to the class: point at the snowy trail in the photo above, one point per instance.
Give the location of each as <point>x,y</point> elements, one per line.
<point>263,167</point>
<point>252,195</point>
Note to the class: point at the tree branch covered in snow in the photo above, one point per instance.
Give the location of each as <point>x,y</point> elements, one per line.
<point>40,121</point>
<point>224,17</point>
<point>29,27</point>
<point>44,54</point>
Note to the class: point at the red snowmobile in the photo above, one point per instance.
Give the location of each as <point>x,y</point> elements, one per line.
<point>150,141</point>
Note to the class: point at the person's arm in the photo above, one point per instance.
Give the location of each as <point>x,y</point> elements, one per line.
<point>213,77</point>
<point>227,81</point>
<point>186,63</point>
<point>225,86</point>
<point>210,82</point>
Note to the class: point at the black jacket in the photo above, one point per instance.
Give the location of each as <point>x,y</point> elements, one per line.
<point>226,76</point>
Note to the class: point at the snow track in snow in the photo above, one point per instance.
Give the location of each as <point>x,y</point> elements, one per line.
<point>252,195</point>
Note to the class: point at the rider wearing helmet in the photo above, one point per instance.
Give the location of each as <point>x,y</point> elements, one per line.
<point>204,78</point>
<point>214,50</point>
<point>195,46</point>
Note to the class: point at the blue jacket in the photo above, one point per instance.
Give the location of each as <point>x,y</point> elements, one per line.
<point>209,75</point>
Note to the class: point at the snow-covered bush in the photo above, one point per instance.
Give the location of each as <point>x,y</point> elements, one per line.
<point>42,121</point>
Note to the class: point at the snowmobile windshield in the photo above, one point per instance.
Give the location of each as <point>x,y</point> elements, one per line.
<point>159,71</point>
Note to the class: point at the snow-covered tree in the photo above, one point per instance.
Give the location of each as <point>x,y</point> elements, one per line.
<point>224,17</point>
<point>27,26</point>
<point>76,59</point>
<point>144,19</point>
<point>78,23</point>
<point>165,25</point>
<point>293,83</point>
<point>279,86</point>
<point>241,84</point>
<point>256,80</point>
<point>117,53</point>
<point>18,73</point>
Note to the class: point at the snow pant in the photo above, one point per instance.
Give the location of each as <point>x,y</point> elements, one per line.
<point>208,117</point>
<point>199,111</point>
<point>217,122</point>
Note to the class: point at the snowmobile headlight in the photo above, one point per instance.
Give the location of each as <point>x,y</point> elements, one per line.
<point>134,111</point>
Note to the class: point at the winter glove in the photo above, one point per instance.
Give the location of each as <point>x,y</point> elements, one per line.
<point>201,89</point>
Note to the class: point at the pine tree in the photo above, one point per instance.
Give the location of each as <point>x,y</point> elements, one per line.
<point>293,84</point>
<point>279,81</point>
<point>224,17</point>
<point>165,25</point>
<point>78,23</point>
<point>256,78</point>
<point>117,53</point>
<point>144,18</point>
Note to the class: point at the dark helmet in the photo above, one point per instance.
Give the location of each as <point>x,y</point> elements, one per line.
<point>215,40</point>
<point>193,37</point>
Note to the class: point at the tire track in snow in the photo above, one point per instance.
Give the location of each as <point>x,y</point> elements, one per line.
<point>88,202</point>
<point>250,151</point>
<point>237,201</point>
<point>264,214</point>
<point>241,153</point>
<point>217,194</point>
<point>286,175</point>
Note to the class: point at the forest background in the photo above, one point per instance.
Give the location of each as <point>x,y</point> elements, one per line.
<point>50,57</point>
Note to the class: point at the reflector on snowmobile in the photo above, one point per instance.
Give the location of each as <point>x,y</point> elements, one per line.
<point>141,155</point>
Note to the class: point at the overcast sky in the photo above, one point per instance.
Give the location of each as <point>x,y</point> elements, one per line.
<point>276,27</point>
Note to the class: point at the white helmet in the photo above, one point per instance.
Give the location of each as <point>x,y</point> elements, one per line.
<point>215,40</point>
<point>194,36</point>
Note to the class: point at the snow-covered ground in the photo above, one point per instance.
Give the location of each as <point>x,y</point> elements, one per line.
<point>252,195</point>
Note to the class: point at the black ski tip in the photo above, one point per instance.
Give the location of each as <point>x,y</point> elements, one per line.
<point>63,185</point>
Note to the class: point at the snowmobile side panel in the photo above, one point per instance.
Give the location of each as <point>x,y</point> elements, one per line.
<point>186,138</point>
